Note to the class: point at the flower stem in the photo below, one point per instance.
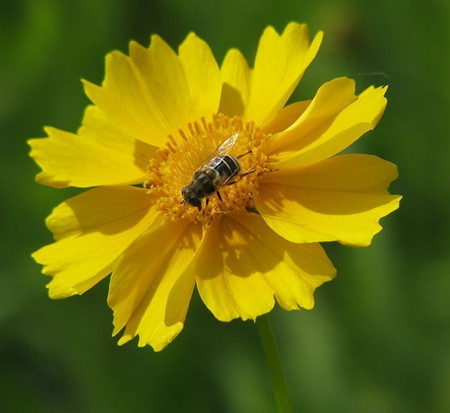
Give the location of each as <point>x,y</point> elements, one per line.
<point>273,361</point>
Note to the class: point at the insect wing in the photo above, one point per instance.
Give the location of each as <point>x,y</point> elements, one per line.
<point>226,145</point>
<point>224,148</point>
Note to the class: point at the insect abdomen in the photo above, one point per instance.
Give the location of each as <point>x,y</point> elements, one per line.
<point>226,166</point>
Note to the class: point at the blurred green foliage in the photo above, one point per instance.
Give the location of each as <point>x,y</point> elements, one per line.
<point>378,339</point>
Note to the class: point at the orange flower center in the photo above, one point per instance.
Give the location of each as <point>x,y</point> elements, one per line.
<point>195,160</point>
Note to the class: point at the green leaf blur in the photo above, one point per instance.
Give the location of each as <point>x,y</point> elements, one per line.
<point>378,339</point>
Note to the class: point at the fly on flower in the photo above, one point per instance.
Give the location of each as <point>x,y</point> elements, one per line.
<point>141,148</point>
<point>219,170</point>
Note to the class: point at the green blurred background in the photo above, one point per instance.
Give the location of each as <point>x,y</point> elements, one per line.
<point>378,339</point>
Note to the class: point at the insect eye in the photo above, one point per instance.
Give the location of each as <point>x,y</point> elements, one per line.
<point>190,197</point>
<point>195,201</point>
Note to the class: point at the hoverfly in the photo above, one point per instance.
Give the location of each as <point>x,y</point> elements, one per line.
<point>217,171</point>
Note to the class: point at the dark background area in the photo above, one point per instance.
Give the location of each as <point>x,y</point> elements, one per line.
<point>378,339</point>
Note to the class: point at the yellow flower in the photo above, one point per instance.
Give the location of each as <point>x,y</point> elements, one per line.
<point>155,120</point>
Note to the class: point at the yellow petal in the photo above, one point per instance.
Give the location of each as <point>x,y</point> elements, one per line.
<point>92,230</point>
<point>126,102</point>
<point>235,84</point>
<point>340,199</point>
<point>331,99</point>
<point>279,65</point>
<point>166,83</point>
<point>202,74</point>
<point>332,122</point>
<point>286,117</point>
<point>156,266</point>
<point>242,266</point>
<point>98,155</point>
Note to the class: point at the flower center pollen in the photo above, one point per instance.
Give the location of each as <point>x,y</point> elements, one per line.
<point>176,163</point>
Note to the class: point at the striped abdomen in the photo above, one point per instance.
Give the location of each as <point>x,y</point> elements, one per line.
<point>212,176</point>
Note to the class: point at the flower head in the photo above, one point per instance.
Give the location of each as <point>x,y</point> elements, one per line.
<point>265,183</point>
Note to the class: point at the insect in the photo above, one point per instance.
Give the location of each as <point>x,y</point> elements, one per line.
<point>216,172</point>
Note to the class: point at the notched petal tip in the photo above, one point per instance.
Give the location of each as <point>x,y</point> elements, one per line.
<point>339,199</point>
<point>335,119</point>
<point>236,75</point>
<point>88,84</point>
<point>143,283</point>
<point>295,26</point>
<point>191,37</point>
<point>315,44</point>
<point>279,65</point>
<point>37,153</point>
<point>124,339</point>
<point>367,239</point>
<point>98,154</point>
<point>157,41</point>
<point>59,292</point>
<point>202,75</point>
<point>157,344</point>
<point>44,178</point>
<point>270,31</point>
<point>254,267</point>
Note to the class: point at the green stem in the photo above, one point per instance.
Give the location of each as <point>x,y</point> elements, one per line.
<point>273,361</point>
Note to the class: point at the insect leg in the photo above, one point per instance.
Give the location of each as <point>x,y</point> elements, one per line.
<point>206,206</point>
<point>220,199</point>
<point>247,173</point>
<point>246,153</point>
<point>239,177</point>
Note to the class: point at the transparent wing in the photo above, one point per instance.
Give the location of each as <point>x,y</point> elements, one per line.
<point>226,145</point>
<point>224,148</point>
